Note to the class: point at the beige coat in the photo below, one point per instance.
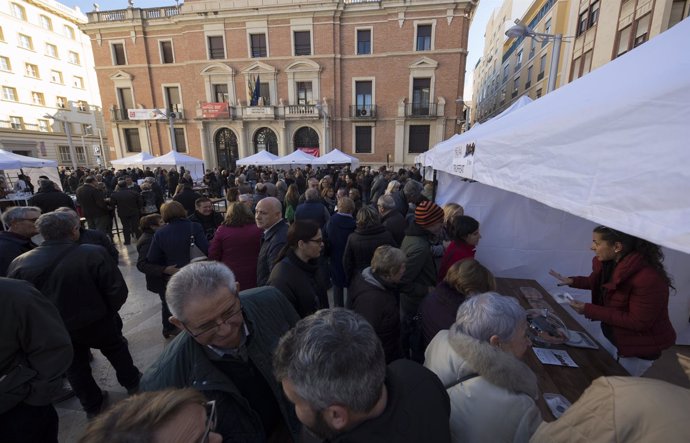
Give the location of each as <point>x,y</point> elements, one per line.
<point>495,406</point>
<point>623,409</point>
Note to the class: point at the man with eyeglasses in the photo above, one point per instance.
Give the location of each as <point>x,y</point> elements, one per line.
<point>20,222</point>
<point>225,351</point>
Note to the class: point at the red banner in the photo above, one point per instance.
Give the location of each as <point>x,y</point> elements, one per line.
<point>310,151</point>
<point>215,110</point>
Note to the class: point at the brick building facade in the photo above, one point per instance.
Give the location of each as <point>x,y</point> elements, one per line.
<point>376,79</point>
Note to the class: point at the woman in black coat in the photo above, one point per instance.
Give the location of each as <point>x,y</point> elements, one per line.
<point>338,230</point>
<point>369,235</point>
<point>373,293</point>
<point>296,271</point>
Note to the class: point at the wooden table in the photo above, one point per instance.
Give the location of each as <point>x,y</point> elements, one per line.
<point>569,382</point>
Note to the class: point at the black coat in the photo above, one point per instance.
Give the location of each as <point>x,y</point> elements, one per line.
<point>338,230</point>
<point>396,224</point>
<point>11,247</point>
<point>378,303</point>
<point>299,283</point>
<point>438,310</point>
<point>155,278</point>
<point>128,202</point>
<point>360,248</point>
<point>92,202</point>
<point>96,237</point>
<point>51,199</point>
<point>85,285</point>
<point>272,243</point>
<point>187,198</point>
<point>209,224</point>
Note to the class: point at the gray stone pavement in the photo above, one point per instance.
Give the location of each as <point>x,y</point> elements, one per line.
<point>142,327</point>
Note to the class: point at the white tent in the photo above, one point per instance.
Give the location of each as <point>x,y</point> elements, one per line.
<point>610,148</point>
<point>297,158</point>
<point>132,160</point>
<point>337,157</point>
<point>261,158</point>
<point>174,158</point>
<point>10,160</point>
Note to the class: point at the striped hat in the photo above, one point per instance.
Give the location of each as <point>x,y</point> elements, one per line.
<point>427,214</point>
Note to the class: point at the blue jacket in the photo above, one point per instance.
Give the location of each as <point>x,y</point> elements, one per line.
<point>338,230</point>
<point>170,245</point>
<point>313,210</point>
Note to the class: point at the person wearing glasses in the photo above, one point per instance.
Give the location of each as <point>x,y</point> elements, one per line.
<point>296,274</point>
<point>332,368</point>
<point>20,222</point>
<point>225,351</point>
<point>169,416</point>
<point>630,290</point>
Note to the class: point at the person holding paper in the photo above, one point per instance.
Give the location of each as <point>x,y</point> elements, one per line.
<point>630,290</point>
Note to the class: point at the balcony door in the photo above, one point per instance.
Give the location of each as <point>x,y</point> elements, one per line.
<point>421,96</point>
<point>363,98</point>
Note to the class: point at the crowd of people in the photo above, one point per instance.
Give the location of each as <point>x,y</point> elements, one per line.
<point>323,303</point>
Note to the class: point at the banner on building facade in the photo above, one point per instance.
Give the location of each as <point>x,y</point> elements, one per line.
<point>146,114</point>
<point>215,110</point>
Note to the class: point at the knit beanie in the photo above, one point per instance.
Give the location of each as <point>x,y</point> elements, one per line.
<point>427,213</point>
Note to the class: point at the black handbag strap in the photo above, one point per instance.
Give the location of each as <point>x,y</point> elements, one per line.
<point>462,379</point>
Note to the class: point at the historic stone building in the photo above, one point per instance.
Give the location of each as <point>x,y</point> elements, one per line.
<point>221,80</point>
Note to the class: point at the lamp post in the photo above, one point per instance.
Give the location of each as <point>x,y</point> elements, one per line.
<point>170,115</point>
<point>521,30</point>
<point>68,131</point>
<point>323,111</point>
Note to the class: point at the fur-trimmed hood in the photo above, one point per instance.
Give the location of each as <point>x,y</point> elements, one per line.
<point>466,355</point>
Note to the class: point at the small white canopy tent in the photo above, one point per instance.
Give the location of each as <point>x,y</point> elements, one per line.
<point>337,157</point>
<point>261,158</point>
<point>609,148</point>
<point>11,163</point>
<point>135,160</point>
<point>297,158</point>
<point>194,165</point>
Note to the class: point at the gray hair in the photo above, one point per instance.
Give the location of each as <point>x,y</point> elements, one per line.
<point>386,201</point>
<point>488,314</point>
<point>17,213</point>
<point>368,217</point>
<point>333,357</point>
<point>197,280</point>
<point>311,195</point>
<point>57,225</point>
<point>413,191</point>
<point>387,261</point>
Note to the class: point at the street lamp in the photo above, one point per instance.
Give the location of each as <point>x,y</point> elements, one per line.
<point>323,111</point>
<point>171,116</point>
<point>68,130</point>
<point>521,30</point>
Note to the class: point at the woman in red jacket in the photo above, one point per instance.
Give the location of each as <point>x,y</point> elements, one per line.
<point>630,289</point>
<point>463,231</point>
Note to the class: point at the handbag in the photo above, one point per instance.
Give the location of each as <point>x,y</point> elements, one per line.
<point>195,254</point>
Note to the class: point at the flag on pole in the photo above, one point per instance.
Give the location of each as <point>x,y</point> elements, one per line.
<point>257,91</point>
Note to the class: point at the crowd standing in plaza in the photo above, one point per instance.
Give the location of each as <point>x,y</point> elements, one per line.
<point>411,346</point>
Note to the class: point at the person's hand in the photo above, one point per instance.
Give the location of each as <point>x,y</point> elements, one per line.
<point>564,281</point>
<point>578,306</point>
<point>171,270</point>
<point>446,243</point>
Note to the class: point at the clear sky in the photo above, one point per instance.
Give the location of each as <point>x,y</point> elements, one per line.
<point>475,46</point>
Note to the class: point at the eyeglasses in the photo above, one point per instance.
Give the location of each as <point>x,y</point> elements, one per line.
<point>316,240</point>
<point>222,319</point>
<point>211,420</point>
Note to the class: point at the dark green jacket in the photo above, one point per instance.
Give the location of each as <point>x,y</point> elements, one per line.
<point>420,268</point>
<point>185,363</point>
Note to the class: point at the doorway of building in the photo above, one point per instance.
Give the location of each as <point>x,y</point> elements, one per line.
<point>226,149</point>
<point>307,140</point>
<point>266,139</point>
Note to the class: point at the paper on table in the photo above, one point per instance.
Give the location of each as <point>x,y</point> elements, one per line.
<point>554,357</point>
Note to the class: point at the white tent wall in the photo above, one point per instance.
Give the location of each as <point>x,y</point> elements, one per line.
<point>50,172</point>
<point>522,238</point>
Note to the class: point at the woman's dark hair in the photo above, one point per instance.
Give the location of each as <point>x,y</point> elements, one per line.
<point>461,226</point>
<point>652,253</point>
<point>173,211</point>
<point>299,230</point>
<point>232,194</point>
<point>147,222</point>
<point>292,195</point>
<point>368,217</point>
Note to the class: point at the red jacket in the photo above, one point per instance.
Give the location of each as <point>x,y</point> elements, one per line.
<point>634,305</point>
<point>238,247</point>
<point>456,251</point>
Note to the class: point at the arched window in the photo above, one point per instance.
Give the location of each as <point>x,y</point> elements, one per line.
<point>226,149</point>
<point>266,139</point>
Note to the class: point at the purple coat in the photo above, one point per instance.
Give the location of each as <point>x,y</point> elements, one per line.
<point>439,309</point>
<point>238,247</point>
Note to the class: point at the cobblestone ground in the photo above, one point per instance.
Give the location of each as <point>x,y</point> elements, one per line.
<point>142,327</point>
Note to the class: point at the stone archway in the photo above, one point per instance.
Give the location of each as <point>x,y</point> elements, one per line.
<point>226,148</point>
<point>266,139</point>
<point>306,139</point>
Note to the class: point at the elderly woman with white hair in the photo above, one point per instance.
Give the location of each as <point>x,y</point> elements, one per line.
<point>492,392</point>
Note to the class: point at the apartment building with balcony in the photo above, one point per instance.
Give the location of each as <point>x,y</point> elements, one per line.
<point>377,79</point>
<point>50,107</point>
<point>595,32</point>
